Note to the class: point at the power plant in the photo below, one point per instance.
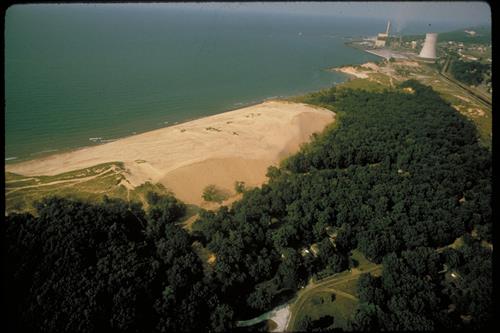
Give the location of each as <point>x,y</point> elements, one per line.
<point>382,37</point>
<point>429,48</point>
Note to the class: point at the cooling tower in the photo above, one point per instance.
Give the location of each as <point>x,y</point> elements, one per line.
<point>429,48</point>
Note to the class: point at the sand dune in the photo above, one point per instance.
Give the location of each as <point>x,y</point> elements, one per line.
<point>220,149</point>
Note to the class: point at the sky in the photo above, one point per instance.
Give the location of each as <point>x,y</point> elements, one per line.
<point>439,14</point>
<point>465,12</point>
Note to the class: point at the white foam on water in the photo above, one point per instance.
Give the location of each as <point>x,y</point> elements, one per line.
<point>44,151</point>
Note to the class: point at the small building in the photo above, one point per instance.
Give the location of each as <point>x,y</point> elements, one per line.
<point>304,252</point>
<point>314,249</point>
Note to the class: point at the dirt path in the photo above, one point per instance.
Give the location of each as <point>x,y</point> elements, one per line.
<point>19,180</point>
<point>71,181</point>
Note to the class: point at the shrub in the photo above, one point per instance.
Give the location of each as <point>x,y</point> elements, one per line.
<point>213,194</point>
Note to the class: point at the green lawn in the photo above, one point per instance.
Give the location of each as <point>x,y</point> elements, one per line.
<point>316,299</point>
<point>328,304</point>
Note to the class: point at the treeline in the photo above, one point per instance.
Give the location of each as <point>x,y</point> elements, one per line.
<point>482,36</point>
<point>470,72</point>
<point>399,175</point>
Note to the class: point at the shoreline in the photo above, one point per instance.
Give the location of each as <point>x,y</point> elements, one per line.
<point>13,160</point>
<point>50,152</point>
<point>237,145</point>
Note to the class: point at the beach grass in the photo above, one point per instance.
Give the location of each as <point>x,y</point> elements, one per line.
<point>364,84</point>
<point>88,184</point>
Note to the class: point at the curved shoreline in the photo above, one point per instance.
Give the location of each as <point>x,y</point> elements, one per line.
<point>232,146</point>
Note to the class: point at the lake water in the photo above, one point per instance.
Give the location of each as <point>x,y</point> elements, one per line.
<point>74,72</point>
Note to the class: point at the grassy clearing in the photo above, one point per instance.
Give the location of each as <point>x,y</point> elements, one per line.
<point>360,258</point>
<point>348,286</point>
<point>316,300</point>
<point>328,304</point>
<point>365,84</point>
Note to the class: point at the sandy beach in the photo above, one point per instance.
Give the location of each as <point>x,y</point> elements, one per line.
<point>220,149</point>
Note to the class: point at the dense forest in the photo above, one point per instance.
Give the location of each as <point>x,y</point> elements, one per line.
<point>470,72</point>
<point>399,175</point>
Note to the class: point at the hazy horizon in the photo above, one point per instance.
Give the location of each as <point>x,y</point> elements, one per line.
<point>450,14</point>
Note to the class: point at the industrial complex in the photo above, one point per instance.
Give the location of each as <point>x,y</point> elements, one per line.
<point>389,46</point>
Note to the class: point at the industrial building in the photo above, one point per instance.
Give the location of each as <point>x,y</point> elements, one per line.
<point>382,37</point>
<point>429,48</point>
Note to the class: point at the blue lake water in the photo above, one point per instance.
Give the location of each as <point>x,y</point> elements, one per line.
<point>73,72</point>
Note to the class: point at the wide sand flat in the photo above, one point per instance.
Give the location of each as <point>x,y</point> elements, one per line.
<point>220,149</point>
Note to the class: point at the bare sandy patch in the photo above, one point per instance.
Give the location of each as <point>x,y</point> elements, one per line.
<point>463,98</point>
<point>280,316</point>
<point>352,71</point>
<point>189,181</point>
<point>371,66</point>
<point>220,149</point>
<point>476,112</point>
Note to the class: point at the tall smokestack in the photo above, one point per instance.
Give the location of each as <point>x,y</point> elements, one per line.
<point>429,48</point>
<point>388,27</point>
